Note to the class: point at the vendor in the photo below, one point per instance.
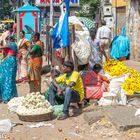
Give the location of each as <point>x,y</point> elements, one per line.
<point>94,83</point>
<point>120,47</point>
<point>74,90</point>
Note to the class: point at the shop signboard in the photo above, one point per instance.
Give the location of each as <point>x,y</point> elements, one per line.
<point>44,3</point>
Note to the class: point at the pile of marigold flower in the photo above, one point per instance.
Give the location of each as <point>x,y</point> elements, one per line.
<point>132,83</point>
<point>115,68</point>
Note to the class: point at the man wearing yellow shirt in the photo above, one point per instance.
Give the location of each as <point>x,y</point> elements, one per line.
<point>74,90</point>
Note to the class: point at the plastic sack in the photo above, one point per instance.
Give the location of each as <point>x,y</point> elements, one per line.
<point>137,113</point>
<point>14,103</point>
<point>116,95</point>
<point>5,125</point>
<point>120,46</point>
<point>82,50</point>
<point>106,101</point>
<point>58,110</point>
<point>115,88</point>
<point>122,99</point>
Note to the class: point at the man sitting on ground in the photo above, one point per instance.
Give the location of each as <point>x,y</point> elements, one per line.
<point>74,90</point>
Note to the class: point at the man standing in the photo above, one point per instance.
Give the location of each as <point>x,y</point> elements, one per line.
<point>73,91</point>
<point>104,35</point>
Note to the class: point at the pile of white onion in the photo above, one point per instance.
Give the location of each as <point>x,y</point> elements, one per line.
<point>34,104</point>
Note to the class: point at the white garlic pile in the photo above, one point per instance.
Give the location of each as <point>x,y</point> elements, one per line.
<point>34,104</point>
<point>16,101</point>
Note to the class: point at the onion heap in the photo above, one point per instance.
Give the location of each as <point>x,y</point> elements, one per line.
<point>34,104</point>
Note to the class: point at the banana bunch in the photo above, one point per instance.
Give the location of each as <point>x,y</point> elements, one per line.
<point>34,104</point>
<point>115,68</point>
<point>132,83</point>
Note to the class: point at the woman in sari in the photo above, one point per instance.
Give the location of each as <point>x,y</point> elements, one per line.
<point>120,47</point>
<point>8,69</point>
<point>94,83</point>
<point>23,46</point>
<point>35,64</point>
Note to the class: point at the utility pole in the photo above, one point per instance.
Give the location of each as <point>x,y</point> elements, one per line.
<point>18,3</point>
<point>116,16</point>
<point>51,13</point>
<point>51,25</point>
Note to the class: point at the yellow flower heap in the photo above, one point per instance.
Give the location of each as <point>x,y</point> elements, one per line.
<point>115,68</point>
<point>132,84</point>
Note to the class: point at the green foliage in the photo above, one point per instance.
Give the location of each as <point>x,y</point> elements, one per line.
<point>6,7</point>
<point>92,6</point>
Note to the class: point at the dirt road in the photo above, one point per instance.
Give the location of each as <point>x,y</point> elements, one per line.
<point>70,129</point>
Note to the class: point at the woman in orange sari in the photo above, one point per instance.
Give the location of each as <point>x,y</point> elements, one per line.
<point>35,64</point>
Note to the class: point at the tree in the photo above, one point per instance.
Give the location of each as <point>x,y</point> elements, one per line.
<point>88,8</point>
<point>8,6</point>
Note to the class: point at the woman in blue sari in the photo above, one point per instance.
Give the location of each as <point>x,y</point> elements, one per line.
<point>8,69</point>
<point>120,48</point>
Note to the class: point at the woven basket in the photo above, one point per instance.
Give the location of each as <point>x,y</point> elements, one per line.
<point>36,118</point>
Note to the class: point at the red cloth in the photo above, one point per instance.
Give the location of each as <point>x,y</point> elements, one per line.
<point>58,53</point>
<point>9,51</point>
<point>94,85</point>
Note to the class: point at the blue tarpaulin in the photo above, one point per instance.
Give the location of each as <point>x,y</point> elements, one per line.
<point>60,34</point>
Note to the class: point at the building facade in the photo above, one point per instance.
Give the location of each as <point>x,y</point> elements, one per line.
<point>114,13</point>
<point>133,27</point>
<point>119,3</point>
<point>105,13</point>
<point>119,14</point>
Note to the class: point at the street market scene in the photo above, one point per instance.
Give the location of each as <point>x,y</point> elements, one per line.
<point>69,70</point>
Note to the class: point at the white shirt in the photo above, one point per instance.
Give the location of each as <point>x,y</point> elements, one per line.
<point>103,33</point>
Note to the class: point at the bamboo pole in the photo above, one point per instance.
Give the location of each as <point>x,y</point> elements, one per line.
<point>75,57</point>
<point>51,25</point>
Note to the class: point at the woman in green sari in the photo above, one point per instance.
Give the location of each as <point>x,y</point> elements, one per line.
<point>35,64</point>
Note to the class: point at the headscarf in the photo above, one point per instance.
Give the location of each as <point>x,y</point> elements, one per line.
<point>123,33</point>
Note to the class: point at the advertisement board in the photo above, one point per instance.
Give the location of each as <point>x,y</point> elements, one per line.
<point>44,3</point>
